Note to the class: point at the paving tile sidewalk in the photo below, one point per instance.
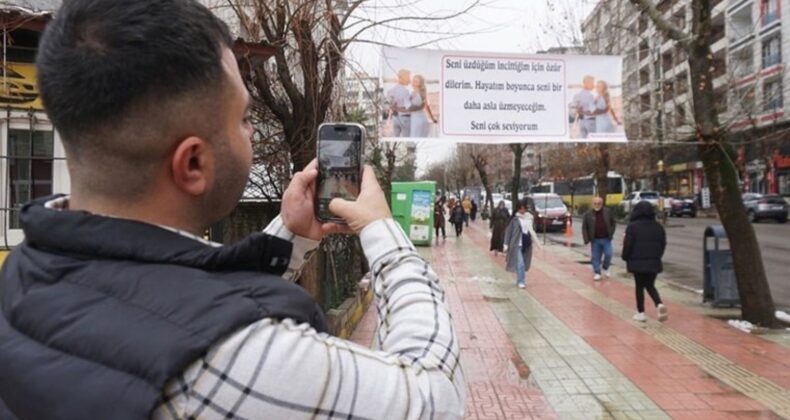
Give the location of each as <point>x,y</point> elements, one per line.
<point>566,347</point>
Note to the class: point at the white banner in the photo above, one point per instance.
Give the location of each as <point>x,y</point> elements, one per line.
<point>501,98</point>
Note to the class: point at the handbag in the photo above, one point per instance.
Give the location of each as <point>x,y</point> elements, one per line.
<point>526,240</point>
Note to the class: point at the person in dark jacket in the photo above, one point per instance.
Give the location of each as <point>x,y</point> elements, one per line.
<point>457,217</point>
<point>499,220</point>
<point>598,228</point>
<point>645,241</point>
<point>473,212</point>
<point>438,219</point>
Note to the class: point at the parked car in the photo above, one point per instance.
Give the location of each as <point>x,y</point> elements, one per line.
<point>549,211</point>
<point>765,206</point>
<point>631,199</point>
<point>682,206</point>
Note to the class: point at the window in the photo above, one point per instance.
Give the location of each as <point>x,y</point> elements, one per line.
<point>681,83</point>
<point>770,10</point>
<point>562,188</point>
<point>745,99</point>
<point>772,51</point>
<point>615,185</point>
<point>644,102</point>
<point>666,61</point>
<point>680,116</point>
<point>772,95</point>
<point>30,156</point>
<point>584,186</point>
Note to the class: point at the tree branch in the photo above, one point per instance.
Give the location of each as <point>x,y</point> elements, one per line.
<point>666,27</point>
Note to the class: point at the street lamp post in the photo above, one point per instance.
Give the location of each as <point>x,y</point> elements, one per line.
<point>662,188</point>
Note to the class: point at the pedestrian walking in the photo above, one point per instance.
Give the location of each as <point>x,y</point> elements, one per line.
<point>499,219</point>
<point>467,205</point>
<point>451,204</point>
<point>473,212</point>
<point>116,307</point>
<point>520,239</point>
<point>457,218</point>
<point>438,219</point>
<point>598,227</point>
<point>643,247</point>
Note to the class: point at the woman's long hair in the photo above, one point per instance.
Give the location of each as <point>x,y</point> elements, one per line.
<point>605,92</point>
<point>421,89</point>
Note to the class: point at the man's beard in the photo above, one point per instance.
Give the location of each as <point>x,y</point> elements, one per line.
<point>231,179</point>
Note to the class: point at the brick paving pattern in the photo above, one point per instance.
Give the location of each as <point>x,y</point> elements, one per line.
<point>566,346</point>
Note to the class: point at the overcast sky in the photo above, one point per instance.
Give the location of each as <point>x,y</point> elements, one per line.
<point>506,26</point>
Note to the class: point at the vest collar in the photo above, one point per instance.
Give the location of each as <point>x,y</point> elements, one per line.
<point>81,233</point>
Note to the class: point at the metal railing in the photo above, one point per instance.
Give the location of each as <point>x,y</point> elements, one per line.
<point>344,266</point>
<point>771,60</point>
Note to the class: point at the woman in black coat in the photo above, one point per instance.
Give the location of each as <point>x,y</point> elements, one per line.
<point>645,241</point>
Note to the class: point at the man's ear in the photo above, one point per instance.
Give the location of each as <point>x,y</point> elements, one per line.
<point>192,166</point>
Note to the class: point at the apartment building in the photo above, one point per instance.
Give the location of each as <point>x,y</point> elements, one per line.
<point>32,162</point>
<point>363,94</point>
<point>749,42</point>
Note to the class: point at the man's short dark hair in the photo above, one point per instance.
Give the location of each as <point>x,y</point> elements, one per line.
<point>105,66</point>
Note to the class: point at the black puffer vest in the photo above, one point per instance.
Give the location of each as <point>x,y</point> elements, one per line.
<point>97,313</point>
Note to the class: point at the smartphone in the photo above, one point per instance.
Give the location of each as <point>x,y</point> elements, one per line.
<point>340,148</point>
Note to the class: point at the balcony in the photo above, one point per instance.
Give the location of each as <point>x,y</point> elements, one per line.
<point>741,25</point>
<point>770,17</point>
<point>771,60</point>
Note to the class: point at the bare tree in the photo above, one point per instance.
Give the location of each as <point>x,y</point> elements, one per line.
<point>718,155</point>
<point>479,154</point>
<point>518,154</point>
<point>310,38</point>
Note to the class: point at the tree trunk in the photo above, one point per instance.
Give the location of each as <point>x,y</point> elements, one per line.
<point>602,171</point>
<point>518,152</point>
<point>717,157</point>
<point>389,171</point>
<point>480,165</point>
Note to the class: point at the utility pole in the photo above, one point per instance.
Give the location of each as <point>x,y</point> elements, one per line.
<point>659,106</point>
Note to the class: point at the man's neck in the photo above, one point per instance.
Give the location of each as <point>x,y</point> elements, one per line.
<point>140,210</point>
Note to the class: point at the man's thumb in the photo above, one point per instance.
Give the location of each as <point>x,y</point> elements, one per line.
<point>341,208</point>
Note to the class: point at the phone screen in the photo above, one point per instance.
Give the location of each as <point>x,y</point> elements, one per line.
<point>339,166</point>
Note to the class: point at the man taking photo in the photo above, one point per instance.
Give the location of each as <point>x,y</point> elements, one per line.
<point>115,308</point>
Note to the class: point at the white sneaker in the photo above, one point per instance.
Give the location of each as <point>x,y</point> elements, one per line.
<point>640,317</point>
<point>522,285</point>
<point>607,274</point>
<point>663,313</point>
<point>597,277</point>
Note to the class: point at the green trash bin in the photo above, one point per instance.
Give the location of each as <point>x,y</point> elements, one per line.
<point>412,208</point>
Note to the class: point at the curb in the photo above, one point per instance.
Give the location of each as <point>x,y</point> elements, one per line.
<point>684,287</point>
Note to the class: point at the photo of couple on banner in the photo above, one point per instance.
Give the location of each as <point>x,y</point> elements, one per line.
<point>409,113</point>
<point>592,111</point>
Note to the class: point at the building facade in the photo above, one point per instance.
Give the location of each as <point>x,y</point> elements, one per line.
<point>750,45</point>
<point>32,162</point>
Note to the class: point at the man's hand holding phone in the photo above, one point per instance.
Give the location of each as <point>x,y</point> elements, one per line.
<point>370,206</point>
<point>298,209</point>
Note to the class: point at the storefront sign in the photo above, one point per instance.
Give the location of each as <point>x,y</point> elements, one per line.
<point>18,88</point>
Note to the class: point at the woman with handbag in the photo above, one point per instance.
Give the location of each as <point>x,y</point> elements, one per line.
<point>520,238</point>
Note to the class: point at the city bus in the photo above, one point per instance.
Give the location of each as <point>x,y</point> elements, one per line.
<point>584,189</point>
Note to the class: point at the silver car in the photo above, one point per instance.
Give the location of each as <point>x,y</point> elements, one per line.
<point>765,206</point>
